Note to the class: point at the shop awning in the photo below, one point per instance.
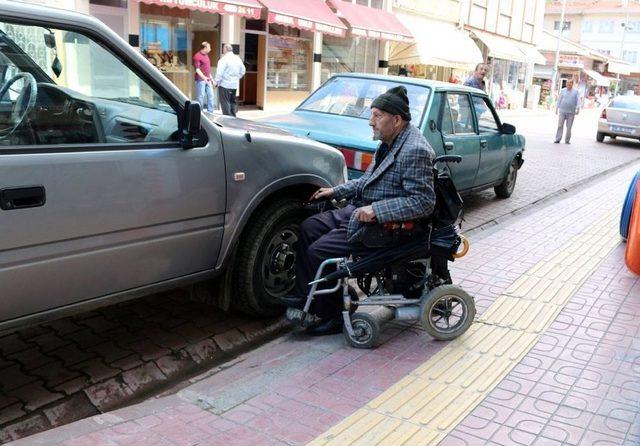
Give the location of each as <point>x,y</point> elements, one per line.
<point>310,15</point>
<point>371,22</point>
<point>244,8</point>
<point>500,47</point>
<point>619,68</point>
<point>542,72</point>
<point>601,81</point>
<point>460,51</point>
<point>531,53</point>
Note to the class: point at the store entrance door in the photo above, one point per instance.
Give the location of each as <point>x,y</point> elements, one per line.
<point>251,92</point>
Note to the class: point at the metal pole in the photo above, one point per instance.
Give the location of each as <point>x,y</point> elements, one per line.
<point>624,32</point>
<point>554,75</point>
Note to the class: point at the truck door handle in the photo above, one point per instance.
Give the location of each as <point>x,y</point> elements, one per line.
<point>448,145</point>
<point>483,143</point>
<point>22,197</point>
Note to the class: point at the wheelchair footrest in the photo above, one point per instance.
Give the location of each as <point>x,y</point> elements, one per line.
<point>299,317</point>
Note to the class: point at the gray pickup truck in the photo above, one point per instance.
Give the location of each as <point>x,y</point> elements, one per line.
<point>114,185</point>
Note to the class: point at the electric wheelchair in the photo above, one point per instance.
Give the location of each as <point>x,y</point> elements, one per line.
<point>407,281</point>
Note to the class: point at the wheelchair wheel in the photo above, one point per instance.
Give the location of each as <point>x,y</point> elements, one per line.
<point>366,328</point>
<point>446,312</point>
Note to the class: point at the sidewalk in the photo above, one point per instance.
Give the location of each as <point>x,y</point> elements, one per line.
<point>552,358</point>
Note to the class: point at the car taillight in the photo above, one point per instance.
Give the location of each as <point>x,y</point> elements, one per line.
<point>604,113</point>
<point>356,159</point>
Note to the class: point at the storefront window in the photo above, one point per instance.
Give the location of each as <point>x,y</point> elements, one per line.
<point>164,41</point>
<point>350,54</point>
<point>288,59</point>
<point>508,74</point>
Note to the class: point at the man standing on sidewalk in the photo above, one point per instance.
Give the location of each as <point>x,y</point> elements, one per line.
<point>567,108</point>
<point>202,64</point>
<point>228,74</point>
<point>477,80</point>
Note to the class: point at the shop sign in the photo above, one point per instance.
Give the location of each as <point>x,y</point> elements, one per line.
<point>210,6</point>
<point>570,61</point>
<point>309,25</point>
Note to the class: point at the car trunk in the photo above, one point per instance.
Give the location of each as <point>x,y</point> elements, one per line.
<point>623,117</point>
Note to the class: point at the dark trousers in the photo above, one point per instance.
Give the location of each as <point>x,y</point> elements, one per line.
<point>228,104</point>
<point>324,236</point>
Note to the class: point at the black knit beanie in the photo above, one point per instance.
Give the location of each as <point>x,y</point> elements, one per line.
<point>394,101</point>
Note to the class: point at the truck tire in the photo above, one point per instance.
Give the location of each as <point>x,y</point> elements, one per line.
<point>600,136</point>
<point>264,268</point>
<point>505,189</point>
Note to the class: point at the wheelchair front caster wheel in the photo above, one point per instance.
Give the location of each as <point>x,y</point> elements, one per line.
<point>446,312</point>
<point>366,331</point>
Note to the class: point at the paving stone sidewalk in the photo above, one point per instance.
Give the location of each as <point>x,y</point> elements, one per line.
<point>579,384</point>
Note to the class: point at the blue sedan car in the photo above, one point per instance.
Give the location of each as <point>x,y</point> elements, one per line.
<point>456,120</point>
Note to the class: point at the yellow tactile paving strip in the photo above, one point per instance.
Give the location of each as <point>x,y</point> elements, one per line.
<point>423,407</point>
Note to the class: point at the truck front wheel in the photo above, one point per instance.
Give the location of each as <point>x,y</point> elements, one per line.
<point>265,262</point>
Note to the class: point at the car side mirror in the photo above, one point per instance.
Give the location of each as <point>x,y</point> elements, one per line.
<point>190,123</point>
<point>507,129</point>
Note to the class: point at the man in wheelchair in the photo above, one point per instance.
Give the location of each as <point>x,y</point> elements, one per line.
<point>398,186</point>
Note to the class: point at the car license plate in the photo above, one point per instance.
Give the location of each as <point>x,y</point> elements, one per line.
<point>615,128</point>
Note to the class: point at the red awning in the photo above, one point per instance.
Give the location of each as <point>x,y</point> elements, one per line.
<point>245,8</point>
<point>371,22</point>
<point>311,15</point>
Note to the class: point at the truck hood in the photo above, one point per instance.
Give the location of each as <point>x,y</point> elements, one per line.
<point>335,130</point>
<point>233,123</point>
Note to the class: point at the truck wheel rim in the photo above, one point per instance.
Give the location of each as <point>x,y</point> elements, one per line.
<point>279,262</point>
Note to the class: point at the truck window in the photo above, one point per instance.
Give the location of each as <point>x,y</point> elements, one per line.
<point>63,87</point>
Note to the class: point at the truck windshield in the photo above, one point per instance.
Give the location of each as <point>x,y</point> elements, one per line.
<point>73,61</point>
<point>352,96</point>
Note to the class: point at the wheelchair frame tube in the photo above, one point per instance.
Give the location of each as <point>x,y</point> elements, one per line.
<point>313,291</point>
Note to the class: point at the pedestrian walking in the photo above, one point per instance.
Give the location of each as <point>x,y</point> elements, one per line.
<point>202,64</point>
<point>228,74</point>
<point>567,107</point>
<point>477,79</point>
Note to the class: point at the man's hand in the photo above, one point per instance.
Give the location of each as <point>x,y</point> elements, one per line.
<point>577,111</point>
<point>324,193</point>
<point>365,214</point>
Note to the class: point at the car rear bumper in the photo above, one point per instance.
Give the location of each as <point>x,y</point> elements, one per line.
<point>609,128</point>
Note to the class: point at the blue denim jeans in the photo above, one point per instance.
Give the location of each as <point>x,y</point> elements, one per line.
<point>203,88</point>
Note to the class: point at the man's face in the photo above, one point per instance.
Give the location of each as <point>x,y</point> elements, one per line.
<point>569,84</point>
<point>383,124</point>
<point>481,72</point>
<point>206,49</point>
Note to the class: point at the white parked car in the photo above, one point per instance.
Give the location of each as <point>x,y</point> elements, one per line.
<point>621,117</point>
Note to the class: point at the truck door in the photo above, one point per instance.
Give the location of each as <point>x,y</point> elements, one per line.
<point>97,194</point>
<point>460,138</point>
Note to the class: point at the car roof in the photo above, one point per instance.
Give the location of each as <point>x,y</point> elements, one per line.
<point>435,85</point>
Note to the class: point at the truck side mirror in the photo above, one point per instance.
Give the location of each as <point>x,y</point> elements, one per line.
<point>190,123</point>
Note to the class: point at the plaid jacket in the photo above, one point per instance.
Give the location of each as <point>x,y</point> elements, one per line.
<point>401,188</point>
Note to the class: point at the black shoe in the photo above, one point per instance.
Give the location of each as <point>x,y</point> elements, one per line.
<point>556,142</point>
<point>567,142</point>
<point>292,301</point>
<point>326,327</point>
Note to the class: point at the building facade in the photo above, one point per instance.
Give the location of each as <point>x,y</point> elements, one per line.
<point>611,27</point>
<point>502,33</point>
<point>288,46</point>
